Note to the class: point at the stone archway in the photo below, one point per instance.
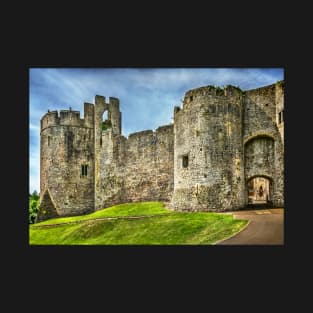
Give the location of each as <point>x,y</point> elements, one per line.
<point>259,190</point>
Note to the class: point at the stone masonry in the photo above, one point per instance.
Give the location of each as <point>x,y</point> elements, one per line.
<point>222,144</point>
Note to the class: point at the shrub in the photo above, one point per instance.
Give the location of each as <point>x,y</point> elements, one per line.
<point>33,207</point>
<point>106,124</point>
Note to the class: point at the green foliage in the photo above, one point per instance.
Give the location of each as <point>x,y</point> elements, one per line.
<point>106,125</point>
<point>237,88</point>
<point>166,229</point>
<point>35,195</point>
<point>33,207</point>
<point>281,83</point>
<point>219,90</point>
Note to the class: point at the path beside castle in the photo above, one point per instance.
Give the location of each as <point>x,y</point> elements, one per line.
<point>266,227</point>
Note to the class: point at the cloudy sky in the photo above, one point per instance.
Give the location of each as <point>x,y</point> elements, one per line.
<point>147,95</point>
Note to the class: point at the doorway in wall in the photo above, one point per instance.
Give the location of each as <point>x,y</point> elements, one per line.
<point>259,190</point>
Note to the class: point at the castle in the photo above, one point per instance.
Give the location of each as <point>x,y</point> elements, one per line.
<point>225,150</point>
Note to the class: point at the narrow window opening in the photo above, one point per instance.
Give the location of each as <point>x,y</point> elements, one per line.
<point>49,140</point>
<point>185,161</point>
<point>280,117</point>
<point>84,168</point>
<point>191,98</point>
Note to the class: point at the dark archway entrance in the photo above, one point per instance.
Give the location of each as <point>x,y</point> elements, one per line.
<point>259,190</point>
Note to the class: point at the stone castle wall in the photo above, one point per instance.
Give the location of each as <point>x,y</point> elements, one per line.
<point>137,168</point>
<point>67,144</point>
<point>263,142</point>
<point>220,140</point>
<point>208,131</point>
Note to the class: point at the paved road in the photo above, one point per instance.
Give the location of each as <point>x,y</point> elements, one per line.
<point>266,227</point>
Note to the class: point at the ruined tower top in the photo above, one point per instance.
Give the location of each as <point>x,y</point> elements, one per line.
<point>228,91</point>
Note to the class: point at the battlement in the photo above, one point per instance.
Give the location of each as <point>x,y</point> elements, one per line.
<point>101,100</point>
<point>63,118</point>
<point>114,101</point>
<point>262,91</point>
<point>160,129</point>
<point>49,119</point>
<point>165,128</point>
<point>140,134</point>
<point>265,91</point>
<point>69,117</point>
<point>72,118</point>
<point>228,90</point>
<point>194,95</point>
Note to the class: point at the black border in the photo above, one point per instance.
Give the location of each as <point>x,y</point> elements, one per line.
<point>260,265</point>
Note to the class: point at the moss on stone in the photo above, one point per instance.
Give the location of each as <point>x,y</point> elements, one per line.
<point>236,88</point>
<point>106,125</point>
<point>281,83</point>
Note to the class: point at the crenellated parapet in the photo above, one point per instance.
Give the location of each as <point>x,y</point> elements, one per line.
<point>67,118</point>
<point>49,119</point>
<point>115,116</point>
<point>70,118</point>
<point>207,93</point>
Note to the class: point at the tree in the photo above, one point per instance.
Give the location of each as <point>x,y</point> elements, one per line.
<point>33,207</point>
<point>35,195</point>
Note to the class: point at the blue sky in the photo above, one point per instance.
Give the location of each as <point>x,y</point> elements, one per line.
<point>147,95</point>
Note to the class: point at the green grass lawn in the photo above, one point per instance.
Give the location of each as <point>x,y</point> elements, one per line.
<point>127,209</point>
<point>173,229</point>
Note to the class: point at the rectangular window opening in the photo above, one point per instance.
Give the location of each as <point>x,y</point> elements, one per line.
<point>280,117</point>
<point>185,161</point>
<point>84,168</point>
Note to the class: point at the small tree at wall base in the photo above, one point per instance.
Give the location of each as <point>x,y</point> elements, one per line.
<point>33,207</point>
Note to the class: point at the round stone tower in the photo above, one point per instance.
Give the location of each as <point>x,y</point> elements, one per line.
<point>66,163</point>
<point>208,150</point>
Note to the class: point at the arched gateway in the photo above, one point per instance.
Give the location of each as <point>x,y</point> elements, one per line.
<point>260,190</point>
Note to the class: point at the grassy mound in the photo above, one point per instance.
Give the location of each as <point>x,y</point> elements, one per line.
<point>127,209</point>
<point>160,229</point>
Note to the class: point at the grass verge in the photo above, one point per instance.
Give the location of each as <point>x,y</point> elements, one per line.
<point>170,229</point>
<point>126,209</point>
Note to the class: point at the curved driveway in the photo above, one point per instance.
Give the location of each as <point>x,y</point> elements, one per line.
<point>266,227</point>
